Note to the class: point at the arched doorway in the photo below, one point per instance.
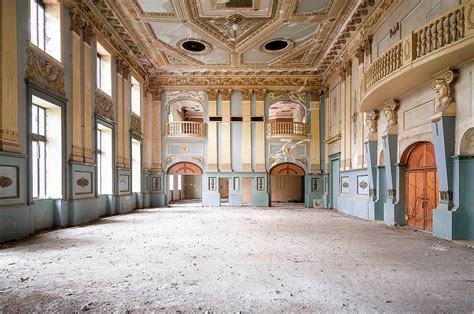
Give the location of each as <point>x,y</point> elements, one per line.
<point>421,185</point>
<point>185,182</point>
<point>287,183</point>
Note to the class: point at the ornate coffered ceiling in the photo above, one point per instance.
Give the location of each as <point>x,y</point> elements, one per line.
<point>234,33</point>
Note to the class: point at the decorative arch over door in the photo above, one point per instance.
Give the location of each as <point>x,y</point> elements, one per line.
<point>421,185</point>
<point>287,169</point>
<point>185,168</point>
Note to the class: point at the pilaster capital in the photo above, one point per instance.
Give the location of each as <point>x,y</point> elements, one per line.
<point>247,94</point>
<point>225,93</point>
<point>260,94</point>
<point>315,94</point>
<point>123,68</point>
<point>77,21</point>
<point>212,94</point>
<point>156,94</point>
<point>88,33</point>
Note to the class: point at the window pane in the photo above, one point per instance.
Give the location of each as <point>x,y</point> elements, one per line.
<point>41,121</point>
<point>33,23</point>
<point>98,69</point>
<point>34,119</point>
<point>41,27</point>
<point>136,99</point>
<point>42,169</point>
<point>34,162</point>
<point>179,182</point>
<point>171,182</point>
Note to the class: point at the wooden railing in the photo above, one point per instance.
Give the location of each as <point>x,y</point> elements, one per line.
<point>439,33</point>
<point>185,129</point>
<point>279,129</point>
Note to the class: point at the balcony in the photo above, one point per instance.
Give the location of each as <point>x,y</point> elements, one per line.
<point>186,129</point>
<point>443,42</point>
<point>291,130</point>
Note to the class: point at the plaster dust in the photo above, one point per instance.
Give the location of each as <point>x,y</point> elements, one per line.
<point>236,259</point>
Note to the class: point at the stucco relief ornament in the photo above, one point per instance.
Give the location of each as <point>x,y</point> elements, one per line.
<point>443,85</point>
<point>371,121</point>
<point>390,113</point>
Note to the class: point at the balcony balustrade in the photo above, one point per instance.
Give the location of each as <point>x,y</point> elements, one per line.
<point>186,129</point>
<point>287,130</point>
<point>443,42</point>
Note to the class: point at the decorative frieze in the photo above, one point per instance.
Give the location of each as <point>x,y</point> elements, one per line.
<point>8,138</point>
<point>104,105</point>
<point>45,72</point>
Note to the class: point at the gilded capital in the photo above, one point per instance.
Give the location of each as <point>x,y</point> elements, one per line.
<point>225,93</point>
<point>212,94</point>
<point>247,94</point>
<point>260,94</point>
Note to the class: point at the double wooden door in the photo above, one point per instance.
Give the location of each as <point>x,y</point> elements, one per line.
<point>422,187</point>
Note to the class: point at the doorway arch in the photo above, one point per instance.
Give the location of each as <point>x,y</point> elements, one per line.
<point>184,182</point>
<point>421,185</point>
<point>287,183</point>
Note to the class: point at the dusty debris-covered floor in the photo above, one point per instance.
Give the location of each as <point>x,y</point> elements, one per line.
<point>236,259</point>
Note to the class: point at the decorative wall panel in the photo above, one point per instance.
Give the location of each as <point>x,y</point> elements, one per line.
<point>83,182</point>
<point>9,184</point>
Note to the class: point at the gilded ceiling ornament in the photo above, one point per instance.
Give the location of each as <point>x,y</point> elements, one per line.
<point>443,84</point>
<point>45,72</point>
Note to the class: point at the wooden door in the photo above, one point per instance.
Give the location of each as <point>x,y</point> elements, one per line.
<point>422,187</point>
<point>224,187</point>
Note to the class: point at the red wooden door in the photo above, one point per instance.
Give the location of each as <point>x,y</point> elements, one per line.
<point>422,186</point>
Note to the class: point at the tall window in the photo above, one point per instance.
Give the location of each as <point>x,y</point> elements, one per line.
<point>136,166</point>
<point>103,70</point>
<point>46,149</point>
<point>45,30</point>
<point>136,96</point>
<point>104,160</point>
<point>38,151</point>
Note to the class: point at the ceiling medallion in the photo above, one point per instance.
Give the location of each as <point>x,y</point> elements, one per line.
<point>277,45</point>
<point>194,46</point>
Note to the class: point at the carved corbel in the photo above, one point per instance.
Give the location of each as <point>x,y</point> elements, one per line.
<point>443,85</point>
<point>390,113</point>
<point>360,55</point>
<point>367,46</point>
<point>371,123</point>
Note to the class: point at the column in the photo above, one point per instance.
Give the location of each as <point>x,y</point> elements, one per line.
<point>343,109</point>
<point>246,131</point>
<point>76,99</point>
<point>126,117</point>
<point>156,165</point>
<point>212,132</point>
<point>315,133</point>
<point>260,132</point>
<point>87,96</point>
<point>347,117</point>
<point>119,112</point>
<point>9,139</point>
<point>226,140</point>
<point>394,210</point>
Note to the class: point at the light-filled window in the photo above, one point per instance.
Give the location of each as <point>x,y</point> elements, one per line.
<point>45,30</point>
<point>180,178</point>
<point>103,70</point>
<point>46,149</point>
<point>136,96</point>
<point>136,166</point>
<point>104,154</point>
<point>171,182</point>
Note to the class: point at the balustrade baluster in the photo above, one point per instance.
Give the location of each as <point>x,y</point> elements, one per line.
<point>446,31</point>
<point>454,25</point>
<point>418,44</point>
<point>428,38</point>
<point>461,23</point>
<point>435,35</point>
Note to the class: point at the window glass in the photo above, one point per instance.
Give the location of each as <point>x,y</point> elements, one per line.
<point>136,96</point>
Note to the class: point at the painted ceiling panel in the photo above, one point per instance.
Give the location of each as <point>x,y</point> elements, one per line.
<point>172,33</point>
<point>156,6</point>
<point>306,6</point>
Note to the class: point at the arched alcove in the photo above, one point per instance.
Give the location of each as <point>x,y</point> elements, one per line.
<point>185,110</point>
<point>287,183</point>
<point>467,143</point>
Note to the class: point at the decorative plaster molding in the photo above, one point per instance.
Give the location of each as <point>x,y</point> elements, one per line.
<point>390,113</point>
<point>104,105</point>
<point>371,121</point>
<point>45,72</point>
<point>135,124</point>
